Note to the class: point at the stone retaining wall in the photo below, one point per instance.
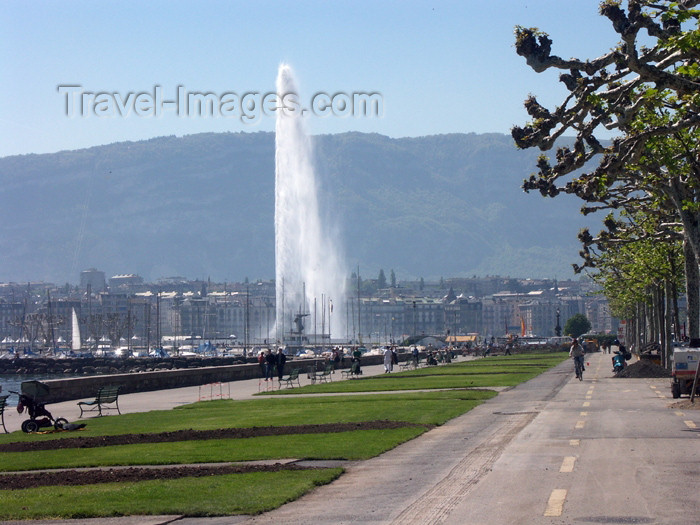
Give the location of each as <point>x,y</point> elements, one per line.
<point>77,388</point>
<point>84,366</point>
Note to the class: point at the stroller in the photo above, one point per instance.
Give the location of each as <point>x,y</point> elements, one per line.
<point>39,417</point>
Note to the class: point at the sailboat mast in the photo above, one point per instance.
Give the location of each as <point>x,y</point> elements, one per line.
<point>359,322</point>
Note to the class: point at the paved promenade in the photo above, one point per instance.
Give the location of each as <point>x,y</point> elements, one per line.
<point>553,450</point>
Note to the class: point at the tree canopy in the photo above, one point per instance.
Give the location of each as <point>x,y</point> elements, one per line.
<point>646,90</point>
<point>577,325</point>
<point>649,95</point>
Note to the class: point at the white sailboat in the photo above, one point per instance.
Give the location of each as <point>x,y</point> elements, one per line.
<point>75,326</point>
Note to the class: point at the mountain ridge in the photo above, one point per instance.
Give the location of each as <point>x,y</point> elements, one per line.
<point>202,206</point>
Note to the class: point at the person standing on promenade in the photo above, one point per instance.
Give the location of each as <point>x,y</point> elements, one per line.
<point>261,362</point>
<point>270,362</point>
<point>281,360</point>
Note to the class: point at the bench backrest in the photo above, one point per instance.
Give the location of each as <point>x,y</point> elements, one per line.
<point>108,394</point>
<point>294,373</point>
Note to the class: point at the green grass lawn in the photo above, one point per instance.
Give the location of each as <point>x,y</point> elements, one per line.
<point>432,408</point>
<point>208,496</point>
<point>232,493</point>
<point>353,445</point>
<point>481,373</point>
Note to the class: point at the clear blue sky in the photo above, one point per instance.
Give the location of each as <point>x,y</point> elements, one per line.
<point>441,67</point>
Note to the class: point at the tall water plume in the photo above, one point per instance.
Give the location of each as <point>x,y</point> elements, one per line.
<point>308,261</point>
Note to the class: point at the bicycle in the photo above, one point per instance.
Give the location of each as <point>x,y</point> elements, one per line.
<point>578,366</point>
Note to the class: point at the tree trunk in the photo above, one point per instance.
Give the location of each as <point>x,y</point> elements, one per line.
<point>692,288</point>
<point>675,324</point>
<point>660,315</point>
<point>676,316</point>
<point>668,324</point>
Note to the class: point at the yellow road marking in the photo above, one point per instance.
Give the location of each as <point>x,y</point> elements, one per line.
<point>681,414</point>
<point>583,414</point>
<point>586,403</point>
<point>580,424</point>
<point>568,464</point>
<point>555,505</point>
<point>689,424</point>
<point>589,397</point>
<point>574,442</point>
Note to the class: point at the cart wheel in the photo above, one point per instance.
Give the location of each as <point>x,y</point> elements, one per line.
<point>58,424</point>
<point>30,426</point>
<point>676,390</point>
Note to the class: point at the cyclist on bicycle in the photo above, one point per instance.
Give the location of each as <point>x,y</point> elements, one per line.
<point>576,353</point>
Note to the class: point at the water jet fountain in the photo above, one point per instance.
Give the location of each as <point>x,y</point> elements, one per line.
<point>308,261</point>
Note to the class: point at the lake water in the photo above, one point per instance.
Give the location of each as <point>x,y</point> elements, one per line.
<point>14,381</point>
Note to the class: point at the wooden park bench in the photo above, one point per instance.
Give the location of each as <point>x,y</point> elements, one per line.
<point>291,378</point>
<point>410,364</point>
<point>3,404</point>
<point>311,374</point>
<point>326,374</point>
<point>106,395</point>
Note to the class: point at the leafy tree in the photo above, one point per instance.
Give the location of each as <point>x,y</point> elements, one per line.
<point>641,277</point>
<point>649,94</point>
<point>392,277</point>
<point>577,325</point>
<point>381,280</point>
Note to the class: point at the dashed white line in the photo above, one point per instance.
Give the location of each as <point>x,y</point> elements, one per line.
<point>555,505</point>
<point>568,464</point>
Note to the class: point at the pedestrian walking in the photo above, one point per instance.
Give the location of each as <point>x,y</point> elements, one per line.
<point>388,360</point>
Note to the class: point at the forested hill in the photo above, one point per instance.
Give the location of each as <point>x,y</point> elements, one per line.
<point>202,206</point>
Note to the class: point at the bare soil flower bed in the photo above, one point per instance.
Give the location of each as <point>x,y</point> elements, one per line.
<point>14,481</point>
<point>191,435</point>
<point>130,474</point>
